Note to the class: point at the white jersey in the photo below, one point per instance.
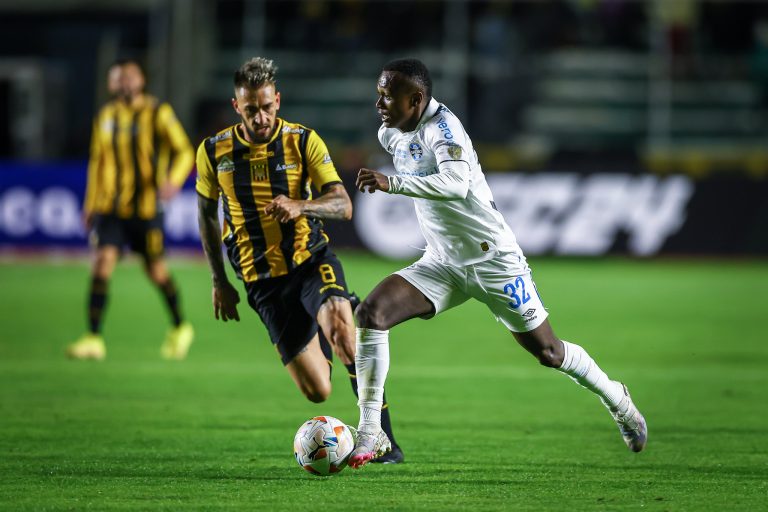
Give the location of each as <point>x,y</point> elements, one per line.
<point>437,166</point>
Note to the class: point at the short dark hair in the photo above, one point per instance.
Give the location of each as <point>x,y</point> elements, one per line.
<point>413,69</point>
<point>256,72</point>
<point>124,61</point>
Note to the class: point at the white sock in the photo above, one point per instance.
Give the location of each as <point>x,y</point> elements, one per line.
<point>578,365</point>
<point>371,365</point>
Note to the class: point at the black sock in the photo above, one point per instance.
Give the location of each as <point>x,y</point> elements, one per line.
<point>97,301</point>
<point>386,423</point>
<point>325,346</point>
<point>168,289</point>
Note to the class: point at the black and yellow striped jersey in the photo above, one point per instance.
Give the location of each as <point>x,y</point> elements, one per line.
<point>134,150</point>
<point>247,177</point>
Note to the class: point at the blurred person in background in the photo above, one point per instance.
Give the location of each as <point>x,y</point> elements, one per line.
<point>471,253</point>
<point>140,158</point>
<point>263,168</point>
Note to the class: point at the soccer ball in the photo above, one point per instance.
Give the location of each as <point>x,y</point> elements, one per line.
<point>322,445</point>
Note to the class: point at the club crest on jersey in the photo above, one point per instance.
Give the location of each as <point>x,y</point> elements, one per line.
<point>259,170</point>
<point>454,151</point>
<point>225,164</point>
<point>416,152</point>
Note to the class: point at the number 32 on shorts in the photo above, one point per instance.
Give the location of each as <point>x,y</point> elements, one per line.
<point>516,291</point>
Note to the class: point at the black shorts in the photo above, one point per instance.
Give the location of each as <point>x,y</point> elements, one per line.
<point>288,304</point>
<point>143,236</point>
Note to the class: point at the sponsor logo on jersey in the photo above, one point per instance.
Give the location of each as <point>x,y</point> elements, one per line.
<point>284,167</point>
<point>327,159</point>
<point>401,153</point>
<point>454,151</point>
<point>288,129</point>
<point>416,152</point>
<point>222,136</point>
<point>420,172</point>
<point>443,125</point>
<point>225,164</point>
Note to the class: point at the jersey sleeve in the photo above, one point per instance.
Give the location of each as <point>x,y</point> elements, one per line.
<point>319,164</point>
<point>183,154</point>
<point>207,185</point>
<point>446,140</point>
<point>452,180</point>
<point>93,185</point>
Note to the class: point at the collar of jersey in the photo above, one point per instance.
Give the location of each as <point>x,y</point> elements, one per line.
<point>145,100</point>
<point>428,113</point>
<point>278,131</point>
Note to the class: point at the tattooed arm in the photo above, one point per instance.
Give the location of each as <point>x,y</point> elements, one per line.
<point>224,296</point>
<point>334,203</point>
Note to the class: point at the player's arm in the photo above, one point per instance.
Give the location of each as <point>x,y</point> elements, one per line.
<point>451,182</point>
<point>333,202</point>
<point>224,296</point>
<point>93,185</point>
<point>183,156</point>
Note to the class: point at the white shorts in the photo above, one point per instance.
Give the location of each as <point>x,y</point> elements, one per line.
<point>503,283</point>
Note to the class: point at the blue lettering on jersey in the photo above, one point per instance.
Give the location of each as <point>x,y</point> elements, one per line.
<point>420,172</point>
<point>444,128</point>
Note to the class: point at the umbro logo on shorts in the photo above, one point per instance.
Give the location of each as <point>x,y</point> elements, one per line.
<point>529,314</point>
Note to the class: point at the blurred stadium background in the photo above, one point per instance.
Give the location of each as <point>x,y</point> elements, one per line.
<point>607,126</point>
<point>625,142</point>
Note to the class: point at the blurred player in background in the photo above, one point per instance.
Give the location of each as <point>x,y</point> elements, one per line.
<point>140,156</point>
<point>471,253</point>
<point>263,169</point>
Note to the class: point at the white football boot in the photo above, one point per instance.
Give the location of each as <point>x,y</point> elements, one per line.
<point>630,422</point>
<point>368,447</point>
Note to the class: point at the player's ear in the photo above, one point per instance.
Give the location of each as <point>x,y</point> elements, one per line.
<point>234,105</point>
<point>277,100</point>
<point>416,98</point>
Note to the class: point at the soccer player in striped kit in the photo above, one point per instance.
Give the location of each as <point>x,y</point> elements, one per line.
<point>263,170</point>
<point>140,157</point>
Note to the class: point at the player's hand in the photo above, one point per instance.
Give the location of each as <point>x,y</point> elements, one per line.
<point>371,180</point>
<point>284,209</point>
<point>168,191</point>
<point>225,300</point>
<point>88,220</point>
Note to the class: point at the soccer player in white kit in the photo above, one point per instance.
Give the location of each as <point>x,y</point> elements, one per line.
<point>471,253</point>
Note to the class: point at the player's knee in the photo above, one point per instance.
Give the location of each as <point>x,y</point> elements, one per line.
<point>101,273</point>
<point>369,316</point>
<point>157,275</point>
<point>103,266</point>
<point>318,392</point>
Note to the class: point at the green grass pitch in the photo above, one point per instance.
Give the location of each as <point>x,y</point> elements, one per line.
<point>483,426</point>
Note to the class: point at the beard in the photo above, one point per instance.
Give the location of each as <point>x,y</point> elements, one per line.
<point>254,136</point>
